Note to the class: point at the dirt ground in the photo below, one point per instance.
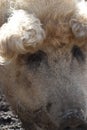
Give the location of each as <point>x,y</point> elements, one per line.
<point>8,121</point>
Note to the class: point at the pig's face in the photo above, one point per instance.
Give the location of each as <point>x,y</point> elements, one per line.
<point>46,78</point>
<point>52,81</point>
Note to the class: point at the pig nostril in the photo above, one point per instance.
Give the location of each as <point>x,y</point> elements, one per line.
<point>80,127</point>
<point>67,128</point>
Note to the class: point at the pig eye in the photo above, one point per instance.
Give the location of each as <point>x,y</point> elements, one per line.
<point>34,60</point>
<point>78,54</point>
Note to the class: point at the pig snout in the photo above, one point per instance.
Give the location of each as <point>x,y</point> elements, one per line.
<point>73,120</point>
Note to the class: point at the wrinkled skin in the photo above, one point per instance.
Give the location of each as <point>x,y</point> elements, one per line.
<point>46,85</point>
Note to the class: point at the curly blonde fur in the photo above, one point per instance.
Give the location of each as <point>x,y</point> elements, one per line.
<point>20,32</point>
<point>23,29</point>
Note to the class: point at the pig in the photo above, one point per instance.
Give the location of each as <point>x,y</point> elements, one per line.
<point>43,62</point>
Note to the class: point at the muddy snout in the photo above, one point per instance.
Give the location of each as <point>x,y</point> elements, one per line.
<point>73,120</point>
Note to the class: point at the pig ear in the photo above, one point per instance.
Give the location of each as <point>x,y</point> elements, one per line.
<point>79,29</point>
<point>21,34</point>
